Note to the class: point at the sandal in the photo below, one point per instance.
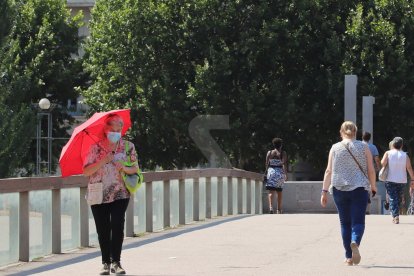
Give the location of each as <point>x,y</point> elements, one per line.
<point>396,220</point>
<point>348,261</point>
<point>356,256</point>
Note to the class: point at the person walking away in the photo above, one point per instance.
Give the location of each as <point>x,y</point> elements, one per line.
<point>351,174</point>
<point>276,167</point>
<point>366,137</point>
<point>398,165</point>
<point>387,198</point>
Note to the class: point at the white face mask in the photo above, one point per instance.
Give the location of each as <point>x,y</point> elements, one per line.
<point>113,136</point>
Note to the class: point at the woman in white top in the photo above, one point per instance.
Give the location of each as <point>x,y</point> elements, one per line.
<point>351,174</point>
<point>398,165</point>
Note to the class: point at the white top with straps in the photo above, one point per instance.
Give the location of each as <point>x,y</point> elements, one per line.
<point>397,165</point>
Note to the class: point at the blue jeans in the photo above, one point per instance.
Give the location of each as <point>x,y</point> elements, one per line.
<point>394,191</point>
<point>351,208</point>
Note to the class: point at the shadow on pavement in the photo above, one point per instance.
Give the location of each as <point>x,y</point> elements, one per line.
<point>389,266</point>
<point>136,244</point>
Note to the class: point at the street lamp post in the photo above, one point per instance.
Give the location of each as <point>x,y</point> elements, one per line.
<point>44,105</point>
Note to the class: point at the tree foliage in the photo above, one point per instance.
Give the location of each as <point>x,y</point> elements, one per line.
<point>380,46</point>
<point>276,68</point>
<point>36,61</point>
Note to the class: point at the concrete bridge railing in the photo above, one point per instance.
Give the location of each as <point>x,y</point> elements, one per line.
<point>44,215</point>
<point>305,196</point>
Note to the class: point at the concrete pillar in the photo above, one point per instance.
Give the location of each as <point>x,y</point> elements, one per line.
<point>181,200</point>
<point>230,196</point>
<point>24,227</point>
<point>220,196</point>
<point>350,108</point>
<point>83,218</point>
<point>240,197</point>
<point>167,203</point>
<point>208,197</point>
<point>249,200</point>
<point>368,115</point>
<point>129,218</point>
<point>56,222</point>
<point>149,225</point>
<point>196,199</point>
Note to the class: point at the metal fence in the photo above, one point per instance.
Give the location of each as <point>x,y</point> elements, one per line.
<point>45,215</point>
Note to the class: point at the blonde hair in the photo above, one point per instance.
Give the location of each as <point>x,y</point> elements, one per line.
<point>391,145</point>
<point>349,129</point>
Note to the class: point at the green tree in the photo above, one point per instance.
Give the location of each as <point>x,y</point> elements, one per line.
<point>379,49</point>
<point>36,61</point>
<point>139,56</point>
<point>276,68</point>
<point>13,139</point>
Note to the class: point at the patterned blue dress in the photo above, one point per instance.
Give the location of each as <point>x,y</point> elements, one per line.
<point>275,175</point>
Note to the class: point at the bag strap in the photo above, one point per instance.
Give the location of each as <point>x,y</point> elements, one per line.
<point>128,154</point>
<point>356,161</point>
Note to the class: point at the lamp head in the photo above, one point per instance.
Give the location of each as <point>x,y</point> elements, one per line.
<point>44,104</point>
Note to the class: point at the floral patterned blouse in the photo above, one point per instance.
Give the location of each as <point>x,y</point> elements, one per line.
<point>113,185</point>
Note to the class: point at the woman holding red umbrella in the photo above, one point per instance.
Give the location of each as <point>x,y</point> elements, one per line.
<point>104,164</point>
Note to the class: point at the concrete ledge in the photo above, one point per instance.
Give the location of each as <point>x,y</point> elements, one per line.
<point>304,197</point>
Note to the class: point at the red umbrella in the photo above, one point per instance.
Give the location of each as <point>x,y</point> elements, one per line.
<point>83,137</point>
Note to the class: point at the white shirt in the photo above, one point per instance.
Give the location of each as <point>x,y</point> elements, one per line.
<point>397,166</point>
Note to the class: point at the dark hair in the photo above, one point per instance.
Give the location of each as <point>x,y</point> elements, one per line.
<point>398,143</point>
<point>277,143</point>
<point>366,136</point>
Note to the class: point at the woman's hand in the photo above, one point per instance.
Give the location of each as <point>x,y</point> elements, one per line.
<point>119,166</point>
<point>324,199</point>
<point>93,168</point>
<point>108,158</point>
<point>373,190</point>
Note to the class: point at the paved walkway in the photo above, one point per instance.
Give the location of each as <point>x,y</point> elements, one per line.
<point>296,244</point>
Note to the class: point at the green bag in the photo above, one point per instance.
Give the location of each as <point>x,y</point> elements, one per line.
<point>132,181</point>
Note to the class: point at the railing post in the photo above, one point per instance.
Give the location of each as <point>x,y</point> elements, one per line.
<point>149,207</point>
<point>249,196</point>
<point>258,196</point>
<point>56,222</point>
<point>181,199</point>
<point>24,226</point>
<point>129,218</point>
<point>230,196</point>
<point>208,197</point>
<point>196,199</point>
<point>84,218</point>
<point>240,200</point>
<point>220,196</point>
<point>167,203</point>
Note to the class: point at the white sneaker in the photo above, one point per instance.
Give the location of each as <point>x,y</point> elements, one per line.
<point>117,268</point>
<point>105,269</point>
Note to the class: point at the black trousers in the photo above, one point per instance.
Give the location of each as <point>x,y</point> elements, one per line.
<point>109,222</point>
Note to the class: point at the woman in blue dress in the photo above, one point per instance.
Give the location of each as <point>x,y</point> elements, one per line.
<point>276,167</point>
